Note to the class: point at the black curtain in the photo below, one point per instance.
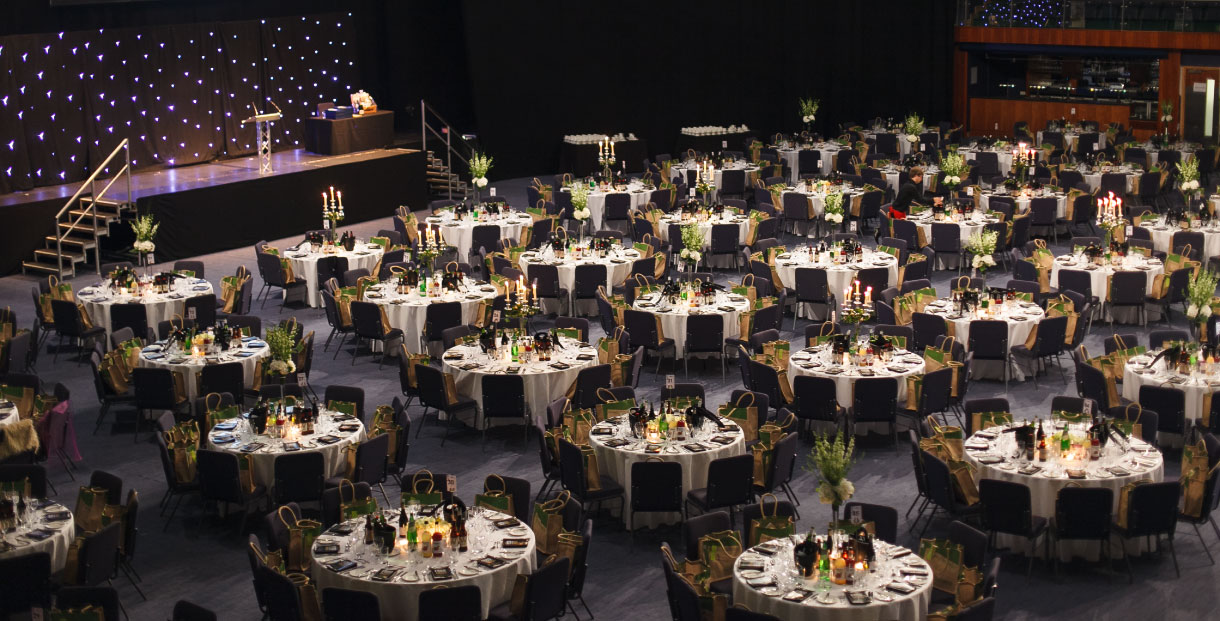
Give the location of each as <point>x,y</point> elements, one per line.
<point>177,91</point>
<point>655,67</point>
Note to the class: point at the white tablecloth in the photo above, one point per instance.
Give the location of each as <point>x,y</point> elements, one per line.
<point>1094,180</point>
<point>1194,388</point>
<point>679,171</point>
<point>264,458</point>
<point>616,463</point>
<point>305,265</point>
<point>673,320</point>
<point>705,229</point>
<point>839,276</point>
<point>1022,203</point>
<point>618,264</point>
<point>1003,157</point>
<point>1162,235</point>
<point>408,312</point>
<point>543,383</point>
<point>792,159</point>
<point>63,533</point>
<point>597,203</point>
<point>1044,488</point>
<point>1071,138</point>
<point>1021,319</point>
<point>192,366</point>
<point>817,364</point>
<point>971,225</point>
<point>1100,276</point>
<point>913,606</point>
<point>460,233</point>
<point>400,597</point>
<point>893,176</point>
<point>157,306</point>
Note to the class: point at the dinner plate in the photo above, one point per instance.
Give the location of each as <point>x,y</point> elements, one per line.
<point>518,532</point>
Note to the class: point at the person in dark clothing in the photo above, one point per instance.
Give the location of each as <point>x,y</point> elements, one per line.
<point>911,193</point>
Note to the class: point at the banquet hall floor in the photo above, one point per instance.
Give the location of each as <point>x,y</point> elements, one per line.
<point>207,563</point>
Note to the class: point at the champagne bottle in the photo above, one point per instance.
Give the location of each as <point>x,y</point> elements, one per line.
<point>368,529</point>
<point>402,521</point>
<point>412,534</point>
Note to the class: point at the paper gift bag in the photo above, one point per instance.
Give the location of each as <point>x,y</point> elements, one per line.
<point>547,522</point>
<point>945,558</point>
<point>384,423</point>
<point>747,289</point>
<point>952,437</point>
<point>307,594</point>
<point>577,424</point>
<point>620,370</point>
<point>1133,428</point>
<point>495,495</point>
<point>771,433</point>
<point>608,347</point>
<point>245,472</point>
<point>301,535</point>
<point>58,290</point>
<point>90,503</point>
<point>1195,473</point>
<point>593,474</point>
<point>422,490</point>
<point>744,413</point>
<point>611,406</point>
<point>963,482</point>
<point>230,290</point>
<point>718,551</point>
<point>914,390</point>
<point>985,420</point>
<point>764,456</point>
<point>1124,498</point>
<point>352,507</point>
<point>567,544</point>
<point>770,526</point>
<point>412,360</point>
<point>778,351</point>
<point>969,586</point>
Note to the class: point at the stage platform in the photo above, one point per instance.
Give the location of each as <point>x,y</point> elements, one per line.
<point>226,204</point>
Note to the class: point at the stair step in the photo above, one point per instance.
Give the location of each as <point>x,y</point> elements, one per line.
<point>108,203</point>
<point>47,255</point>
<point>85,228</point>
<point>103,215</point>
<point>49,268</point>
<point>75,243</point>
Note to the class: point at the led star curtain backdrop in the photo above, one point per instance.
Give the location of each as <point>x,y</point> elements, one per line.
<point>179,92</point>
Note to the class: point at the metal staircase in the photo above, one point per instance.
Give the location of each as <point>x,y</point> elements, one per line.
<point>443,182</point>
<point>84,220</point>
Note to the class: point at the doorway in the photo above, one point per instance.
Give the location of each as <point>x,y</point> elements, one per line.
<point>1200,108</point>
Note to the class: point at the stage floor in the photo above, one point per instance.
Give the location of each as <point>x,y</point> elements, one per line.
<point>180,178</point>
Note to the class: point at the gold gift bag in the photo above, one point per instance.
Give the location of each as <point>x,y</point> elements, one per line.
<point>744,413</point>
<point>945,558</point>
<point>567,544</point>
<point>593,474</point>
<point>719,551</point>
<point>963,482</point>
<point>495,498</point>
<point>245,472</point>
<point>90,504</point>
<point>547,522</point>
<point>767,527</point>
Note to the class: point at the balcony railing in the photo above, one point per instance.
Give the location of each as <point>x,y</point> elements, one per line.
<point>1163,15</point>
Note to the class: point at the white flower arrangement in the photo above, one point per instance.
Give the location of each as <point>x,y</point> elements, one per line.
<point>982,246</point>
<point>480,182</point>
<point>479,165</point>
<point>832,494</point>
<point>1166,112</point>
<point>833,212</point>
<point>145,229</point>
<point>580,202</point>
<point>282,367</point>
<point>1199,295</point>
<point>913,127</point>
<point>809,109</point>
<point>954,166</point>
<point>693,256</point>
<point>1188,172</point>
<point>831,461</point>
<point>692,244</point>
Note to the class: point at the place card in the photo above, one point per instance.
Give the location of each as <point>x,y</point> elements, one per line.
<point>491,562</point>
<point>349,427</point>
<point>292,446</point>
<point>603,431</point>
<point>798,595</point>
<point>515,543</point>
<point>58,516</point>
<point>509,522</point>
<point>617,442</point>
<point>328,439</point>
<point>751,565</point>
<point>326,549</point>
<point>859,598</point>
<point>695,447</point>
<point>252,447</point>
<point>386,574</point>
<point>342,565</point>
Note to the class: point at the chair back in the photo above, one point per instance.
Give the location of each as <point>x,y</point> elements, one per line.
<point>730,481</point>
<point>656,486</point>
<point>1007,506</point>
<point>461,603</point>
<point>299,477</point>
<point>883,517</point>
<point>503,396</point>
<point>816,398</point>
<point>1083,513</point>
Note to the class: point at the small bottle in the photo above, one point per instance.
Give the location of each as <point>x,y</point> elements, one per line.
<point>412,534</point>
<point>438,545</point>
<point>368,529</point>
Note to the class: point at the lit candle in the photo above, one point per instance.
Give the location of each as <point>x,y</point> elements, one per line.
<point>599,148</point>
<point>611,148</point>
<point>324,201</point>
<point>340,200</point>
<point>868,295</point>
<point>535,291</point>
<point>332,192</point>
<point>857,285</point>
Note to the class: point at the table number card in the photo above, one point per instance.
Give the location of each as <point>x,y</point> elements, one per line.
<point>669,382</point>
<point>493,191</point>
<point>190,313</point>
<point>451,483</point>
<point>857,514</point>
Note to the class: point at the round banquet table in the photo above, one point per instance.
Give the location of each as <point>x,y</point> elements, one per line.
<point>1194,386</point>
<point>1003,157</point>
<point>1099,275</point>
<point>408,311</point>
<point>817,197</point>
<point>1022,201</point>
<point>1070,138</point>
<point>839,276</point>
<point>705,230</point>
<point>614,460</point>
<point>342,429</point>
<point>8,415</point>
<point>157,306</point>
<point>673,315</point>
<point>681,170</point>
<point>304,263</point>
<point>617,261</point>
<point>399,595</point>
<point>252,351</point>
<point>1094,178</point>
<point>459,232</point>
<point>819,361</point>
<point>1162,235</point>
<point>970,225</point>
<point>40,533</point>
<point>1140,462</point>
<point>782,570</point>
<point>597,202</point>
<point>1021,318</point>
<point>544,381</point>
<point>828,152</point>
<point>893,175</point>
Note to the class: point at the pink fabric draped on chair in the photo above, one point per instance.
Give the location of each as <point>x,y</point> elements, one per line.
<point>57,433</point>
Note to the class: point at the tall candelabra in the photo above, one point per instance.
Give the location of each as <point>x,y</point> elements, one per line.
<point>1110,215</point>
<point>332,211</point>
<point>857,306</point>
<point>521,305</point>
<point>1023,157</point>
<point>606,157</point>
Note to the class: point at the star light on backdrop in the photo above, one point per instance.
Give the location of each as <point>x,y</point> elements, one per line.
<point>1022,13</point>
<point>178,92</point>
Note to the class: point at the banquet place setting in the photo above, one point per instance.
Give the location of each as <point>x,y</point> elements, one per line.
<point>936,343</point>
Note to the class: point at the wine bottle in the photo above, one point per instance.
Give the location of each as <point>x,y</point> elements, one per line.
<point>368,529</point>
